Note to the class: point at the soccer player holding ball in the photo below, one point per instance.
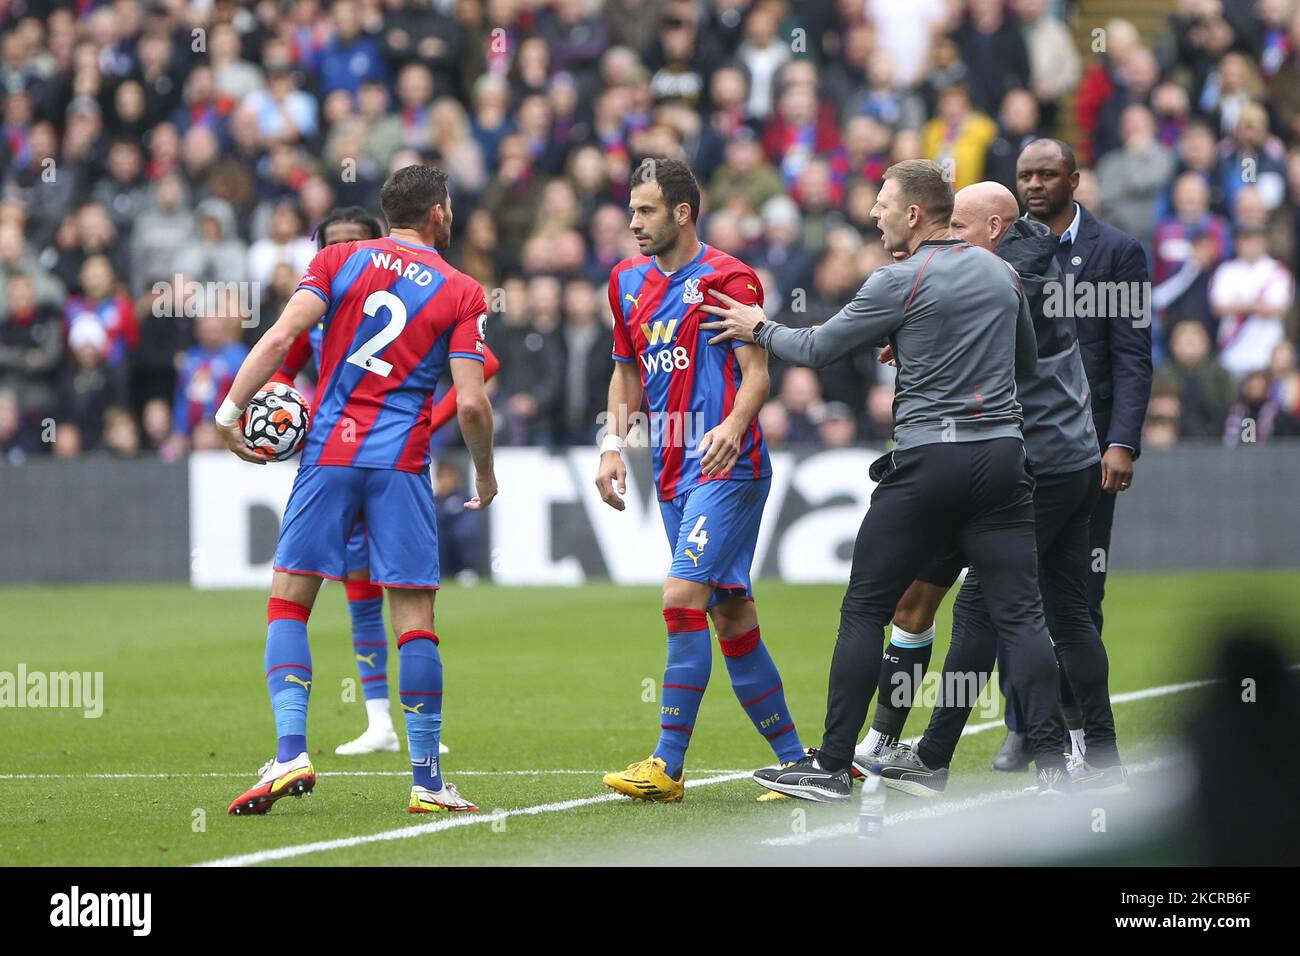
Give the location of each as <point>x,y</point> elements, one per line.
<point>711,466</point>
<point>365,598</point>
<point>392,313</point>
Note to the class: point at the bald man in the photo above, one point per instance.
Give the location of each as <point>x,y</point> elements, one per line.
<point>1064,457</point>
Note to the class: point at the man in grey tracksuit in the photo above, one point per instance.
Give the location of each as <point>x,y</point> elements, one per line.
<point>960,329</point>
<point>1064,458</point>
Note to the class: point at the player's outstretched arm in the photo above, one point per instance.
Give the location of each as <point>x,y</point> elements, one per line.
<point>721,445</point>
<point>474,412</point>
<point>873,314</point>
<point>303,310</point>
<point>446,409</point>
<point>625,394</point>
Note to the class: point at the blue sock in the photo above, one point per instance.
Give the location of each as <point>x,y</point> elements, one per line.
<point>288,674</point>
<point>420,691</point>
<point>686,675</point>
<point>369,637</point>
<point>757,684</point>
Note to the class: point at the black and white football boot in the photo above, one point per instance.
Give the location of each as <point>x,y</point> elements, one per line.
<point>806,779</point>
<point>902,769</point>
<point>1099,780</point>
<point>864,756</point>
<point>1054,782</point>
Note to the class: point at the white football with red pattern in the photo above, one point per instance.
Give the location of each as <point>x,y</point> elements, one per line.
<point>275,422</point>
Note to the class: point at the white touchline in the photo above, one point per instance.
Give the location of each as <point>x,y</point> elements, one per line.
<point>284,853</point>
<point>456,820</point>
<point>970,729</point>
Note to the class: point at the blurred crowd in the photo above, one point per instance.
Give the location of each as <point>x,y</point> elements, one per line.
<point>164,163</point>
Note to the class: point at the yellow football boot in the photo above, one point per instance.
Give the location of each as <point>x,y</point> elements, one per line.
<point>646,780</point>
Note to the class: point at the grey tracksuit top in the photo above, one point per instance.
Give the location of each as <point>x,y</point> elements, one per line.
<point>961,330</point>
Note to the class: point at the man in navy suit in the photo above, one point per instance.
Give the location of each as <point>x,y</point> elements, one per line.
<point>1116,358</point>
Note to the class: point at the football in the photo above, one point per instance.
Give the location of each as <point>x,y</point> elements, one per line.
<point>275,422</point>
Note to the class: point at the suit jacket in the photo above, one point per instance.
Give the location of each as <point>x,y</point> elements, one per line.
<point>1116,352</point>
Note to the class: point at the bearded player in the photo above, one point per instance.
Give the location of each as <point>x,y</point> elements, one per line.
<point>365,598</point>
<point>712,471</point>
<point>392,313</point>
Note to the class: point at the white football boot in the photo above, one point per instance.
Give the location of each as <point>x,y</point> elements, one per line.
<point>448,799</point>
<point>375,740</point>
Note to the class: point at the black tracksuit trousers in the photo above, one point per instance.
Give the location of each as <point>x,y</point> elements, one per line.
<point>934,499</point>
<point>1062,507</point>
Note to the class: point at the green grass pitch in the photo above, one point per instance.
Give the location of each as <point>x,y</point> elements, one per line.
<point>537,681</point>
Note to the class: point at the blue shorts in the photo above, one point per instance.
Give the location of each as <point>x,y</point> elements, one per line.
<point>713,530</point>
<point>358,549</point>
<point>329,501</point>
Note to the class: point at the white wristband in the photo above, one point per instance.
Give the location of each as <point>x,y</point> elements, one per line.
<point>228,414</point>
<point>611,442</point>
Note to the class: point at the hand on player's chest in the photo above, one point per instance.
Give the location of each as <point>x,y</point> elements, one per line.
<point>674,315</point>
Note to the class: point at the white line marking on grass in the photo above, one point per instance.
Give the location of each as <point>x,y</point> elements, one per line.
<point>1127,697</point>
<point>455,820</point>
<point>266,856</point>
<point>1124,698</point>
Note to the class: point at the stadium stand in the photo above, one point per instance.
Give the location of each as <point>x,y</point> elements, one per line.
<point>163,165</point>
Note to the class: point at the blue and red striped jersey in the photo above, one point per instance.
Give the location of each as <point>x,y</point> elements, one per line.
<point>690,386</point>
<point>395,313</point>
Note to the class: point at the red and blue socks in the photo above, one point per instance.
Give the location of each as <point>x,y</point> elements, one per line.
<point>288,674</point>
<point>686,675</point>
<point>420,691</point>
<point>370,646</point>
<point>757,684</point>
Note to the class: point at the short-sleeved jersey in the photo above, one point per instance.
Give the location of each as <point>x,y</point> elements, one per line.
<point>690,385</point>
<point>395,313</point>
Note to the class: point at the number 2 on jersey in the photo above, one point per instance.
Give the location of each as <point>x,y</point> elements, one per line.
<point>364,357</point>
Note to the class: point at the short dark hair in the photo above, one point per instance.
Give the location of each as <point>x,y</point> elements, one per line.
<point>409,193</point>
<point>354,214</point>
<point>676,182</point>
<point>922,182</point>
<point>1067,153</point>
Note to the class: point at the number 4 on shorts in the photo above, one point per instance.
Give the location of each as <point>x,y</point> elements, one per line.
<point>698,536</point>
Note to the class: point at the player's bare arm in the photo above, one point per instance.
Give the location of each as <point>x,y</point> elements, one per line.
<point>303,310</point>
<point>721,445</point>
<point>625,392</point>
<point>474,413</point>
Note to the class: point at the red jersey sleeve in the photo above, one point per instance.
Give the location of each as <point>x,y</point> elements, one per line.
<point>743,286</point>
<point>623,351</point>
<point>445,410</point>
<point>295,361</point>
<point>320,273</point>
<point>467,335</point>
